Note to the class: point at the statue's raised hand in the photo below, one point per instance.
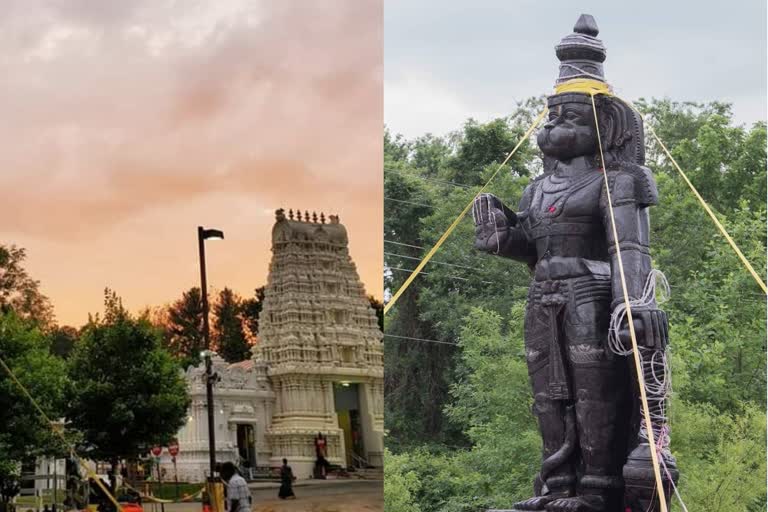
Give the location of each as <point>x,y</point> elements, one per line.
<point>493,221</point>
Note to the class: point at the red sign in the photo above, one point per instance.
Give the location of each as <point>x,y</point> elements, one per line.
<point>157,450</point>
<point>173,448</point>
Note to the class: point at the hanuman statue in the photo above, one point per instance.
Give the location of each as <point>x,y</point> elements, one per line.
<point>596,454</point>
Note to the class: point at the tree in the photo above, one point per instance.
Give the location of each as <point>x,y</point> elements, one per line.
<point>251,309</point>
<point>24,433</point>
<point>399,485</point>
<point>482,145</point>
<point>433,307</point>
<point>128,393</point>
<point>184,328</point>
<point>231,342</point>
<point>62,339</point>
<point>378,307</point>
<point>409,366</point>
<point>18,291</point>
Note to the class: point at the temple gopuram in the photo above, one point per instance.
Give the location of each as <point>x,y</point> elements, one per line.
<point>317,367</point>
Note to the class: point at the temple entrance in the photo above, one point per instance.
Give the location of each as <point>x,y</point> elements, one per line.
<point>246,447</point>
<point>347,403</point>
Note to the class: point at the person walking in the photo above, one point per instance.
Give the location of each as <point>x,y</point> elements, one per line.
<point>286,482</point>
<point>238,494</point>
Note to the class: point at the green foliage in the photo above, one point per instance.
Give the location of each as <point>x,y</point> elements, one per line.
<point>378,307</point>
<point>235,322</point>
<point>62,340</point>
<point>168,490</point>
<point>428,183</point>
<point>10,473</point>
<point>251,309</point>
<point>492,393</point>
<point>184,328</point>
<point>128,393</point>
<point>18,291</point>
<point>23,430</point>
<point>718,320</point>
<point>722,456</point>
<point>399,485</point>
<point>231,342</point>
<point>459,416</point>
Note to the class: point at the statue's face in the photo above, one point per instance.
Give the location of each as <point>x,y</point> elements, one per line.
<point>570,131</point>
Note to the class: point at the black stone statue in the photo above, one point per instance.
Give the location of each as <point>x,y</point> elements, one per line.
<point>596,455</point>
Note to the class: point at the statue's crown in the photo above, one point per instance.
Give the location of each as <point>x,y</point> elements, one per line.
<point>581,53</point>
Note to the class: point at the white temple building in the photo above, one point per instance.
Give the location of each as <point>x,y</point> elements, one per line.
<point>318,366</point>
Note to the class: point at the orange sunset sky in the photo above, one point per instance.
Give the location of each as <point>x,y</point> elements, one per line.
<point>128,124</point>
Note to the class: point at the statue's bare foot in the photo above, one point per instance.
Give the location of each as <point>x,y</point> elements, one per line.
<point>591,503</point>
<point>538,502</point>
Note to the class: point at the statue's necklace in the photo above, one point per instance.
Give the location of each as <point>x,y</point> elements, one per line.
<point>554,184</point>
<point>559,188</point>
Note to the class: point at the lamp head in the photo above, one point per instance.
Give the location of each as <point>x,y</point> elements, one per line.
<point>214,234</point>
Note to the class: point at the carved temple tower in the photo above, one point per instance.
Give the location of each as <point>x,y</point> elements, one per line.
<point>320,340</point>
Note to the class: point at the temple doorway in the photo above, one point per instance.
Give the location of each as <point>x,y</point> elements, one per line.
<point>246,446</point>
<point>346,397</point>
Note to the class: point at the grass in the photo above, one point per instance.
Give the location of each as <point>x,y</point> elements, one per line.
<point>168,490</point>
<point>47,498</point>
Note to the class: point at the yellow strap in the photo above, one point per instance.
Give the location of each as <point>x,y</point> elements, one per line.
<point>635,352</point>
<point>719,225</point>
<point>450,229</point>
<point>90,473</point>
<point>584,86</point>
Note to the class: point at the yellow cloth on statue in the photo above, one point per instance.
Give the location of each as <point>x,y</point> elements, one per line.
<point>585,86</point>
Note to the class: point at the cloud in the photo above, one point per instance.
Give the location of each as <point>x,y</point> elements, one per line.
<point>417,105</point>
<point>152,112</point>
<point>487,57</point>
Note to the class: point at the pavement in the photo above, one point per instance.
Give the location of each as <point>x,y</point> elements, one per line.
<point>311,496</point>
<point>311,482</point>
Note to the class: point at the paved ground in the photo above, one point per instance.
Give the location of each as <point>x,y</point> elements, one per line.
<point>311,496</point>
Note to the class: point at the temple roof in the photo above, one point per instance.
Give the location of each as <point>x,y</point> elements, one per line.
<point>308,227</point>
<point>315,312</point>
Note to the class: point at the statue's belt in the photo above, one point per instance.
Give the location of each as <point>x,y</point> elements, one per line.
<point>554,296</point>
<point>570,269</point>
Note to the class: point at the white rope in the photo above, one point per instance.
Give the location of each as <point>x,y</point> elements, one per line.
<point>656,369</point>
<point>674,487</point>
<point>598,77</point>
<point>648,298</point>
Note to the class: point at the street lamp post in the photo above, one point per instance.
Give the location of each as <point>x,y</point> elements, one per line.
<point>202,235</point>
<point>210,376</point>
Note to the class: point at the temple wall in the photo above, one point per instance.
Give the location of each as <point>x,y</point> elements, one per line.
<point>243,396</point>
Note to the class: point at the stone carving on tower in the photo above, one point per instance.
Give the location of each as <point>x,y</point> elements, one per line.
<point>321,342</point>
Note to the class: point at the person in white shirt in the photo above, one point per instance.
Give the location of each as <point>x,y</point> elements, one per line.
<point>238,494</point>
